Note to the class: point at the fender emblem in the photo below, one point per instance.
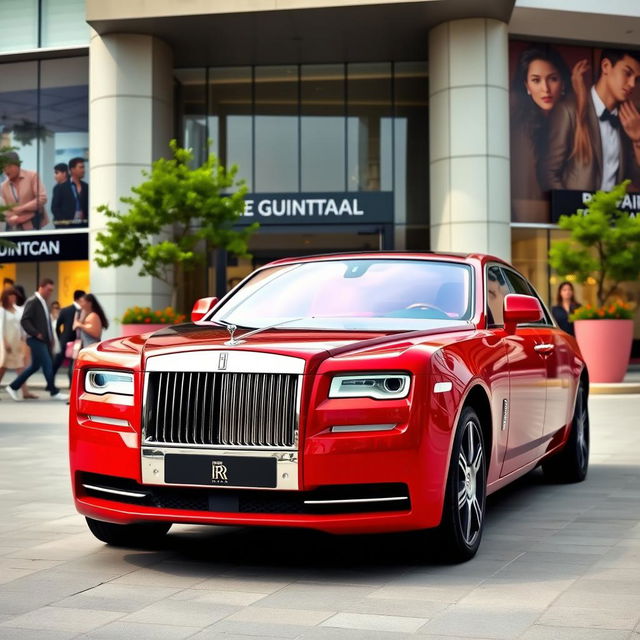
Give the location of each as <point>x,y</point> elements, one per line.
<point>505,413</point>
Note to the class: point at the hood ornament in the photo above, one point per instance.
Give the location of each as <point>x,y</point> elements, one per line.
<point>231,328</point>
<point>232,342</point>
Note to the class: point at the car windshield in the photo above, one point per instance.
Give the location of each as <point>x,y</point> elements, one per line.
<point>352,294</point>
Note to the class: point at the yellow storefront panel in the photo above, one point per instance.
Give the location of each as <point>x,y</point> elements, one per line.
<point>72,275</point>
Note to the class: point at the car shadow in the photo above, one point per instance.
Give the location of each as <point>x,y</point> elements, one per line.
<point>269,549</point>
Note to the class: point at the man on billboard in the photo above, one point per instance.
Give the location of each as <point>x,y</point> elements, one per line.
<point>24,194</point>
<point>70,204</point>
<point>594,138</point>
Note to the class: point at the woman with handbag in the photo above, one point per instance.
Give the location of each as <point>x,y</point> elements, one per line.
<point>91,323</point>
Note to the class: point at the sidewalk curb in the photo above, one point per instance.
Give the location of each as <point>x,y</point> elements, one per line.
<point>614,388</point>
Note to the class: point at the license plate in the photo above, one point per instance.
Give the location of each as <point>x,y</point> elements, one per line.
<point>220,471</point>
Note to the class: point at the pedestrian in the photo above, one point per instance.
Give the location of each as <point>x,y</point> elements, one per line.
<point>11,343</point>
<point>24,193</point>
<point>21,298</point>
<point>7,283</point>
<point>70,202</point>
<point>60,173</point>
<point>566,304</point>
<point>92,320</point>
<point>54,311</point>
<point>65,331</point>
<point>36,322</point>
<point>21,295</point>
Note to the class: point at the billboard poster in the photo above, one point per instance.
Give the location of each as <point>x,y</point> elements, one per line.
<point>575,126</point>
<point>26,203</point>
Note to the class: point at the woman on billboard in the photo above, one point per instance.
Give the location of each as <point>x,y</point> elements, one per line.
<point>541,81</point>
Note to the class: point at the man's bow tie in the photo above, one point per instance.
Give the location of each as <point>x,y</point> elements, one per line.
<point>611,117</point>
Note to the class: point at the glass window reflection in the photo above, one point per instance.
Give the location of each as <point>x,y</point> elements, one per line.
<point>368,140</point>
<point>19,127</point>
<point>44,119</point>
<point>322,127</point>
<point>63,23</point>
<point>411,140</point>
<point>64,123</point>
<point>276,129</point>
<point>192,111</point>
<point>317,128</point>
<point>230,119</point>
<point>19,25</point>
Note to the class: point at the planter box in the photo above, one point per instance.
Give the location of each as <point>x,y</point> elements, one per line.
<point>606,347</point>
<point>137,329</point>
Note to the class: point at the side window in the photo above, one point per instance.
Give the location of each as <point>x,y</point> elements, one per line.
<point>496,290</point>
<point>519,285</point>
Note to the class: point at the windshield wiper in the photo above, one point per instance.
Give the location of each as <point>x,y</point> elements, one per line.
<point>232,342</point>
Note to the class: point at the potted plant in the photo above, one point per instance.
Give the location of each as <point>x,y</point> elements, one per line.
<point>604,247</point>
<point>175,218</point>
<point>136,320</point>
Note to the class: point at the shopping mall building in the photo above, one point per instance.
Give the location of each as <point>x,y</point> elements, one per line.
<point>356,124</point>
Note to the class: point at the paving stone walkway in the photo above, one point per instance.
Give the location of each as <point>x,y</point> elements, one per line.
<point>557,562</point>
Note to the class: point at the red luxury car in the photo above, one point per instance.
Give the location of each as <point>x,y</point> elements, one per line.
<point>348,393</point>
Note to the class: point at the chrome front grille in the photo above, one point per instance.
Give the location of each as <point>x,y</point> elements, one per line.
<point>221,409</point>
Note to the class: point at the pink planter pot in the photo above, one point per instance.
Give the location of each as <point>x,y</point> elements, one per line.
<point>136,329</point>
<point>606,347</point>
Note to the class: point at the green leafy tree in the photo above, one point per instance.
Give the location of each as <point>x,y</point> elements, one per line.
<point>175,217</point>
<point>604,244</point>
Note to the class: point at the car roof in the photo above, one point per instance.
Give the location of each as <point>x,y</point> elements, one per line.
<point>391,254</point>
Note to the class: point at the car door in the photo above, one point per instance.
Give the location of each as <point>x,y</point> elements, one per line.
<point>527,376</point>
<point>557,353</point>
<point>561,382</point>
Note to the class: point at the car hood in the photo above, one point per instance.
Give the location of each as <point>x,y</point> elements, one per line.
<point>313,346</point>
<point>308,345</point>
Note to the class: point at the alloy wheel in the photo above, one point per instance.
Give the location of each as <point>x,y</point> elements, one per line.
<point>470,484</point>
<point>581,425</point>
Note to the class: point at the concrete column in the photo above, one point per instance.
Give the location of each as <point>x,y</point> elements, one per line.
<point>130,125</point>
<point>469,137</point>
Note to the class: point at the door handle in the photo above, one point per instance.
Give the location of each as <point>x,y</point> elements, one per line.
<point>544,348</point>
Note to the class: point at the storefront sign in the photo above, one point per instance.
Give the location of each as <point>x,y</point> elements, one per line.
<point>45,247</point>
<point>355,207</point>
<point>567,203</point>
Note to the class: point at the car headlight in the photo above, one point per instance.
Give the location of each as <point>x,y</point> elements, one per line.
<point>384,386</point>
<point>100,381</point>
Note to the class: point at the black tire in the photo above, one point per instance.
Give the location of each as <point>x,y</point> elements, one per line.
<point>460,531</point>
<point>141,536</point>
<point>572,462</point>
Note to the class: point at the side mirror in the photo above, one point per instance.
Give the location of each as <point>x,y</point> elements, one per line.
<point>202,307</point>
<point>520,309</point>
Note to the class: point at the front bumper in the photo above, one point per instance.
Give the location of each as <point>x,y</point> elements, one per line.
<point>413,455</point>
<point>359,487</point>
